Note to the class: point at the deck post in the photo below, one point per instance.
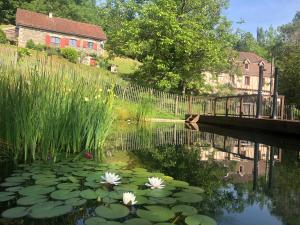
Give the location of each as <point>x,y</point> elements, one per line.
<point>190,104</point>
<point>275,95</point>
<point>259,94</point>
<point>241,106</point>
<point>226,110</point>
<point>282,107</point>
<point>215,106</point>
<point>255,165</point>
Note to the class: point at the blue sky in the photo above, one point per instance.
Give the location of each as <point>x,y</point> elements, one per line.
<point>261,13</point>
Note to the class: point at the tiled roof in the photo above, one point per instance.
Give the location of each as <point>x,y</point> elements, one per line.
<point>60,25</point>
<point>253,66</point>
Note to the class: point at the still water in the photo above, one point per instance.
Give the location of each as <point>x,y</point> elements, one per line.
<point>248,178</point>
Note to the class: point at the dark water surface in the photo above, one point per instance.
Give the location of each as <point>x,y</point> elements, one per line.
<point>248,178</point>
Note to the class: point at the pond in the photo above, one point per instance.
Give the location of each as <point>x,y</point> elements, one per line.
<point>215,174</point>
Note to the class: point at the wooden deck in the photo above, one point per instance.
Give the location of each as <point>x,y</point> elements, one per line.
<point>288,127</point>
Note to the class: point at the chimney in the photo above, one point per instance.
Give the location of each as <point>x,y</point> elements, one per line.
<point>50,15</point>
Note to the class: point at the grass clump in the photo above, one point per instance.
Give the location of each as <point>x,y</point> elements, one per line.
<point>45,113</point>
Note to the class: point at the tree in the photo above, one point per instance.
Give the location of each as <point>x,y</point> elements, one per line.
<point>176,41</point>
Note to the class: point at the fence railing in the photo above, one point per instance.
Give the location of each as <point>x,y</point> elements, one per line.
<point>242,105</point>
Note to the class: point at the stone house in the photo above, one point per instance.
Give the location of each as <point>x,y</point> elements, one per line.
<point>59,33</point>
<point>247,83</point>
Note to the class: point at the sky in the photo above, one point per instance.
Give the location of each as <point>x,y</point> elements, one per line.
<point>261,13</point>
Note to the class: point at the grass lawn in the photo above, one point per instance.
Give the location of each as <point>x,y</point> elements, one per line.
<point>125,65</point>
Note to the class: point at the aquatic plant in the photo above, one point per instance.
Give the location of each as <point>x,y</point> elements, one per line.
<point>155,183</point>
<point>54,192</point>
<point>44,113</point>
<point>129,198</point>
<point>111,178</point>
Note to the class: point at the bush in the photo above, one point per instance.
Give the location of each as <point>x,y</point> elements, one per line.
<point>30,44</point>
<point>70,54</point>
<point>22,52</point>
<point>3,39</point>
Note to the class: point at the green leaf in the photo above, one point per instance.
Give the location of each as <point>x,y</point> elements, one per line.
<point>75,201</point>
<point>186,210</point>
<point>36,190</point>
<point>189,198</point>
<point>113,211</point>
<point>14,213</point>
<point>155,213</point>
<point>88,194</point>
<point>200,220</point>
<point>50,210</point>
<point>137,221</point>
<point>64,194</point>
<point>31,200</point>
<point>94,221</point>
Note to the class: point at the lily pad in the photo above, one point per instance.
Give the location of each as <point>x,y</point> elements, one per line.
<point>9,184</point>
<point>50,211</point>
<point>31,200</point>
<point>190,198</point>
<point>156,213</point>
<point>137,221</point>
<point>36,190</point>
<point>163,201</point>
<point>88,194</point>
<point>200,220</point>
<point>14,189</point>
<point>46,181</point>
<point>178,183</point>
<point>94,221</point>
<point>16,212</point>
<point>114,211</point>
<point>68,186</point>
<point>5,198</point>
<point>195,190</point>
<point>64,194</point>
<point>158,193</point>
<point>75,201</point>
<point>185,210</point>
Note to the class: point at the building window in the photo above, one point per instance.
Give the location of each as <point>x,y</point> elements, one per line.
<point>55,41</point>
<point>90,45</point>
<point>247,66</point>
<point>73,42</point>
<point>247,80</point>
<point>232,80</point>
<point>102,44</point>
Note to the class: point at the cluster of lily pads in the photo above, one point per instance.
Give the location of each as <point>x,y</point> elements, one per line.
<point>115,194</point>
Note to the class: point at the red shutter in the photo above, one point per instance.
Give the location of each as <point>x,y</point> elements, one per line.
<point>47,40</point>
<point>95,46</point>
<point>62,42</point>
<point>84,44</point>
<point>78,43</point>
<point>66,41</point>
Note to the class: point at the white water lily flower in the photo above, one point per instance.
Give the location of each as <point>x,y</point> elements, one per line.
<point>155,183</point>
<point>111,178</point>
<point>129,198</point>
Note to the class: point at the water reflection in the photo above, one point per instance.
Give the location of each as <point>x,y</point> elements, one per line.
<point>246,181</point>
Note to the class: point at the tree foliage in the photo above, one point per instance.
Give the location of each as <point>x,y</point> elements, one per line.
<point>3,39</point>
<point>176,41</point>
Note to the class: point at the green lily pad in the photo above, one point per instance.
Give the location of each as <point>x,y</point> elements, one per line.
<point>185,210</point>
<point>46,181</point>
<point>200,220</point>
<point>75,201</point>
<point>94,221</point>
<point>141,200</point>
<point>163,201</point>
<point>5,198</point>
<point>14,189</point>
<point>68,186</point>
<point>178,183</point>
<point>36,190</point>
<point>92,184</point>
<point>137,221</point>
<point>16,212</point>
<point>158,193</point>
<point>155,213</point>
<point>101,193</point>
<point>195,190</point>
<point>50,211</point>
<point>9,184</point>
<point>31,200</point>
<point>88,194</point>
<point>164,224</point>
<point>114,211</point>
<point>64,194</point>
<point>15,179</point>
<point>190,198</point>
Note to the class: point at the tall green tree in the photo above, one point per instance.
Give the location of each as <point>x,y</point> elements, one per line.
<point>176,41</point>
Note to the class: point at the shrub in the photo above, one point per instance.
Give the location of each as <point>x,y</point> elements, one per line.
<point>3,39</point>
<point>22,52</point>
<point>70,54</point>
<point>30,44</point>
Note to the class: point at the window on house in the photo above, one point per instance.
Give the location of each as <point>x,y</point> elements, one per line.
<point>90,45</point>
<point>73,42</point>
<point>247,80</point>
<point>247,66</point>
<point>102,44</point>
<point>241,169</point>
<point>232,80</point>
<point>55,41</point>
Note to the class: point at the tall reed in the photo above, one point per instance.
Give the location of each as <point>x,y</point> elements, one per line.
<point>47,111</point>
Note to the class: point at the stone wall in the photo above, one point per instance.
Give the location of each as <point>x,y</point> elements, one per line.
<point>39,36</point>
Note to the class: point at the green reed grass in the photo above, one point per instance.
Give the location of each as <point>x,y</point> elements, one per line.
<point>48,110</point>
